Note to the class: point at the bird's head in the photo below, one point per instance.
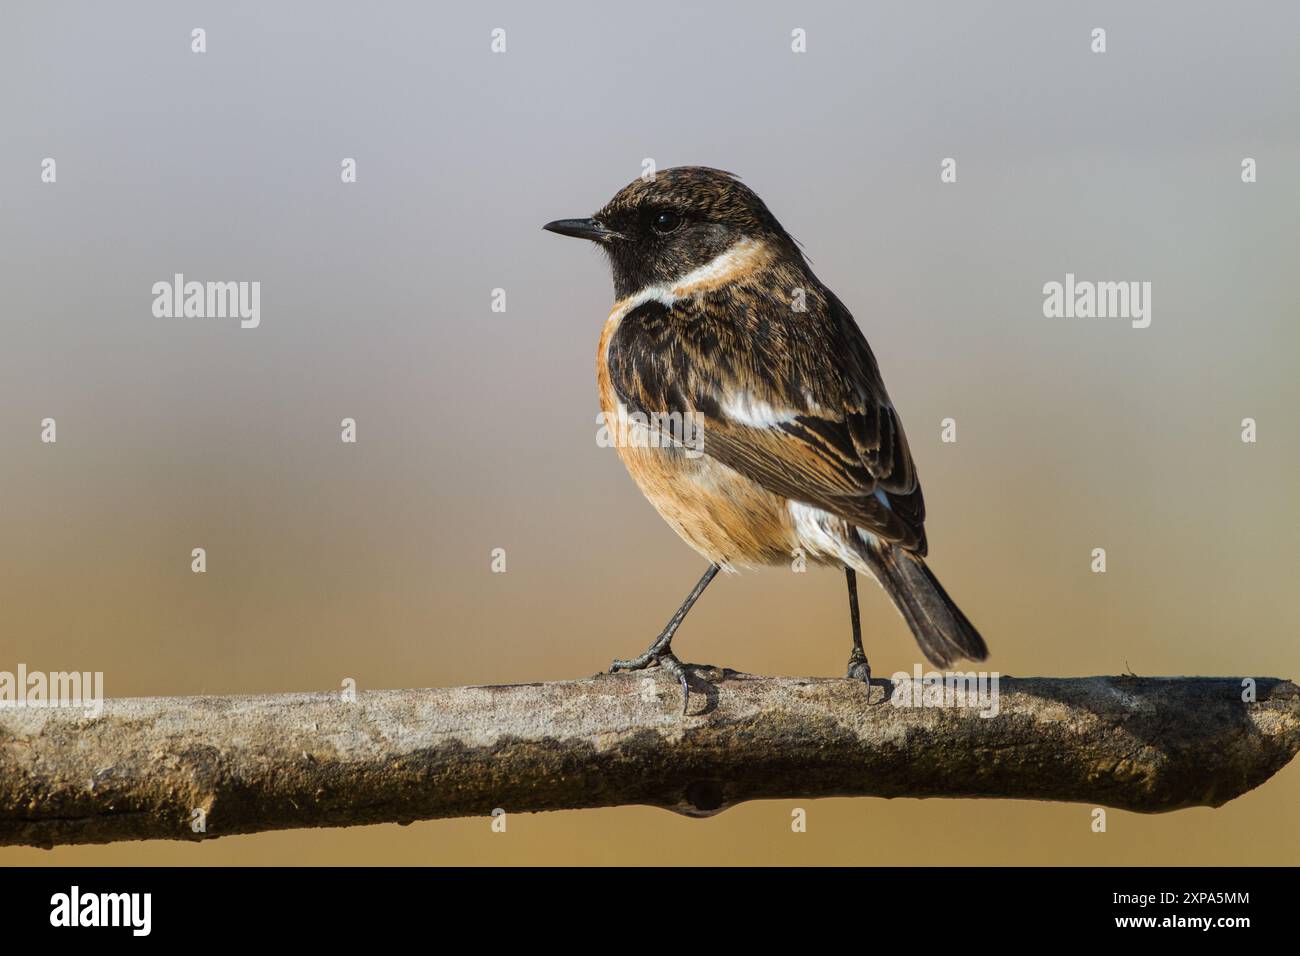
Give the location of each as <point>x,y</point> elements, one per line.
<point>657,230</point>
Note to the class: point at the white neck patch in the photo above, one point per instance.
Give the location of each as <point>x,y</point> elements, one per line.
<point>733,261</point>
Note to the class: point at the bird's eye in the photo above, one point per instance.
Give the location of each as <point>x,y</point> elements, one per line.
<point>666,222</point>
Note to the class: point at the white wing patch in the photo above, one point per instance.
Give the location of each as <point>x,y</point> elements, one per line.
<point>745,410</point>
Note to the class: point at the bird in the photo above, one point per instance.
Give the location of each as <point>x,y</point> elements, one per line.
<point>796,448</point>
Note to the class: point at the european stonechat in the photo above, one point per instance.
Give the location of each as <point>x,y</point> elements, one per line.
<point>719,320</point>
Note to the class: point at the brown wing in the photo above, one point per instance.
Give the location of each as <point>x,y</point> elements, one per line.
<point>792,400</point>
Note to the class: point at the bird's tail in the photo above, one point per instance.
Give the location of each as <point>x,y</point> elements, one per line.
<point>941,629</point>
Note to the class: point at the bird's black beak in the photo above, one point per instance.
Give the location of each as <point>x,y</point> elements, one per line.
<point>582,229</point>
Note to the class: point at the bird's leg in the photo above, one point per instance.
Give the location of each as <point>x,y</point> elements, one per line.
<point>660,652</point>
<point>859,669</point>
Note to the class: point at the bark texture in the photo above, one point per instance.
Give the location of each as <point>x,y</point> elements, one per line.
<point>143,767</point>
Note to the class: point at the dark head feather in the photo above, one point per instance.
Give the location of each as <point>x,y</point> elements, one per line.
<point>708,210</point>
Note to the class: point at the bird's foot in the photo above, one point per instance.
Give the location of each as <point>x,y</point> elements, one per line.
<point>663,658</point>
<point>649,659</point>
<point>859,669</point>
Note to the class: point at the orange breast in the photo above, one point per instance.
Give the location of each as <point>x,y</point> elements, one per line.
<point>716,510</point>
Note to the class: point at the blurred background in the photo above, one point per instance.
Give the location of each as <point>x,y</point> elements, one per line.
<point>476,429</point>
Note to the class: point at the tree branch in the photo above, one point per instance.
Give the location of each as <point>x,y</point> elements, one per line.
<point>143,767</point>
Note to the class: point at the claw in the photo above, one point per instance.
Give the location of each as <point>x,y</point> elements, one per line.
<point>664,659</point>
<point>859,669</point>
<point>673,666</point>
